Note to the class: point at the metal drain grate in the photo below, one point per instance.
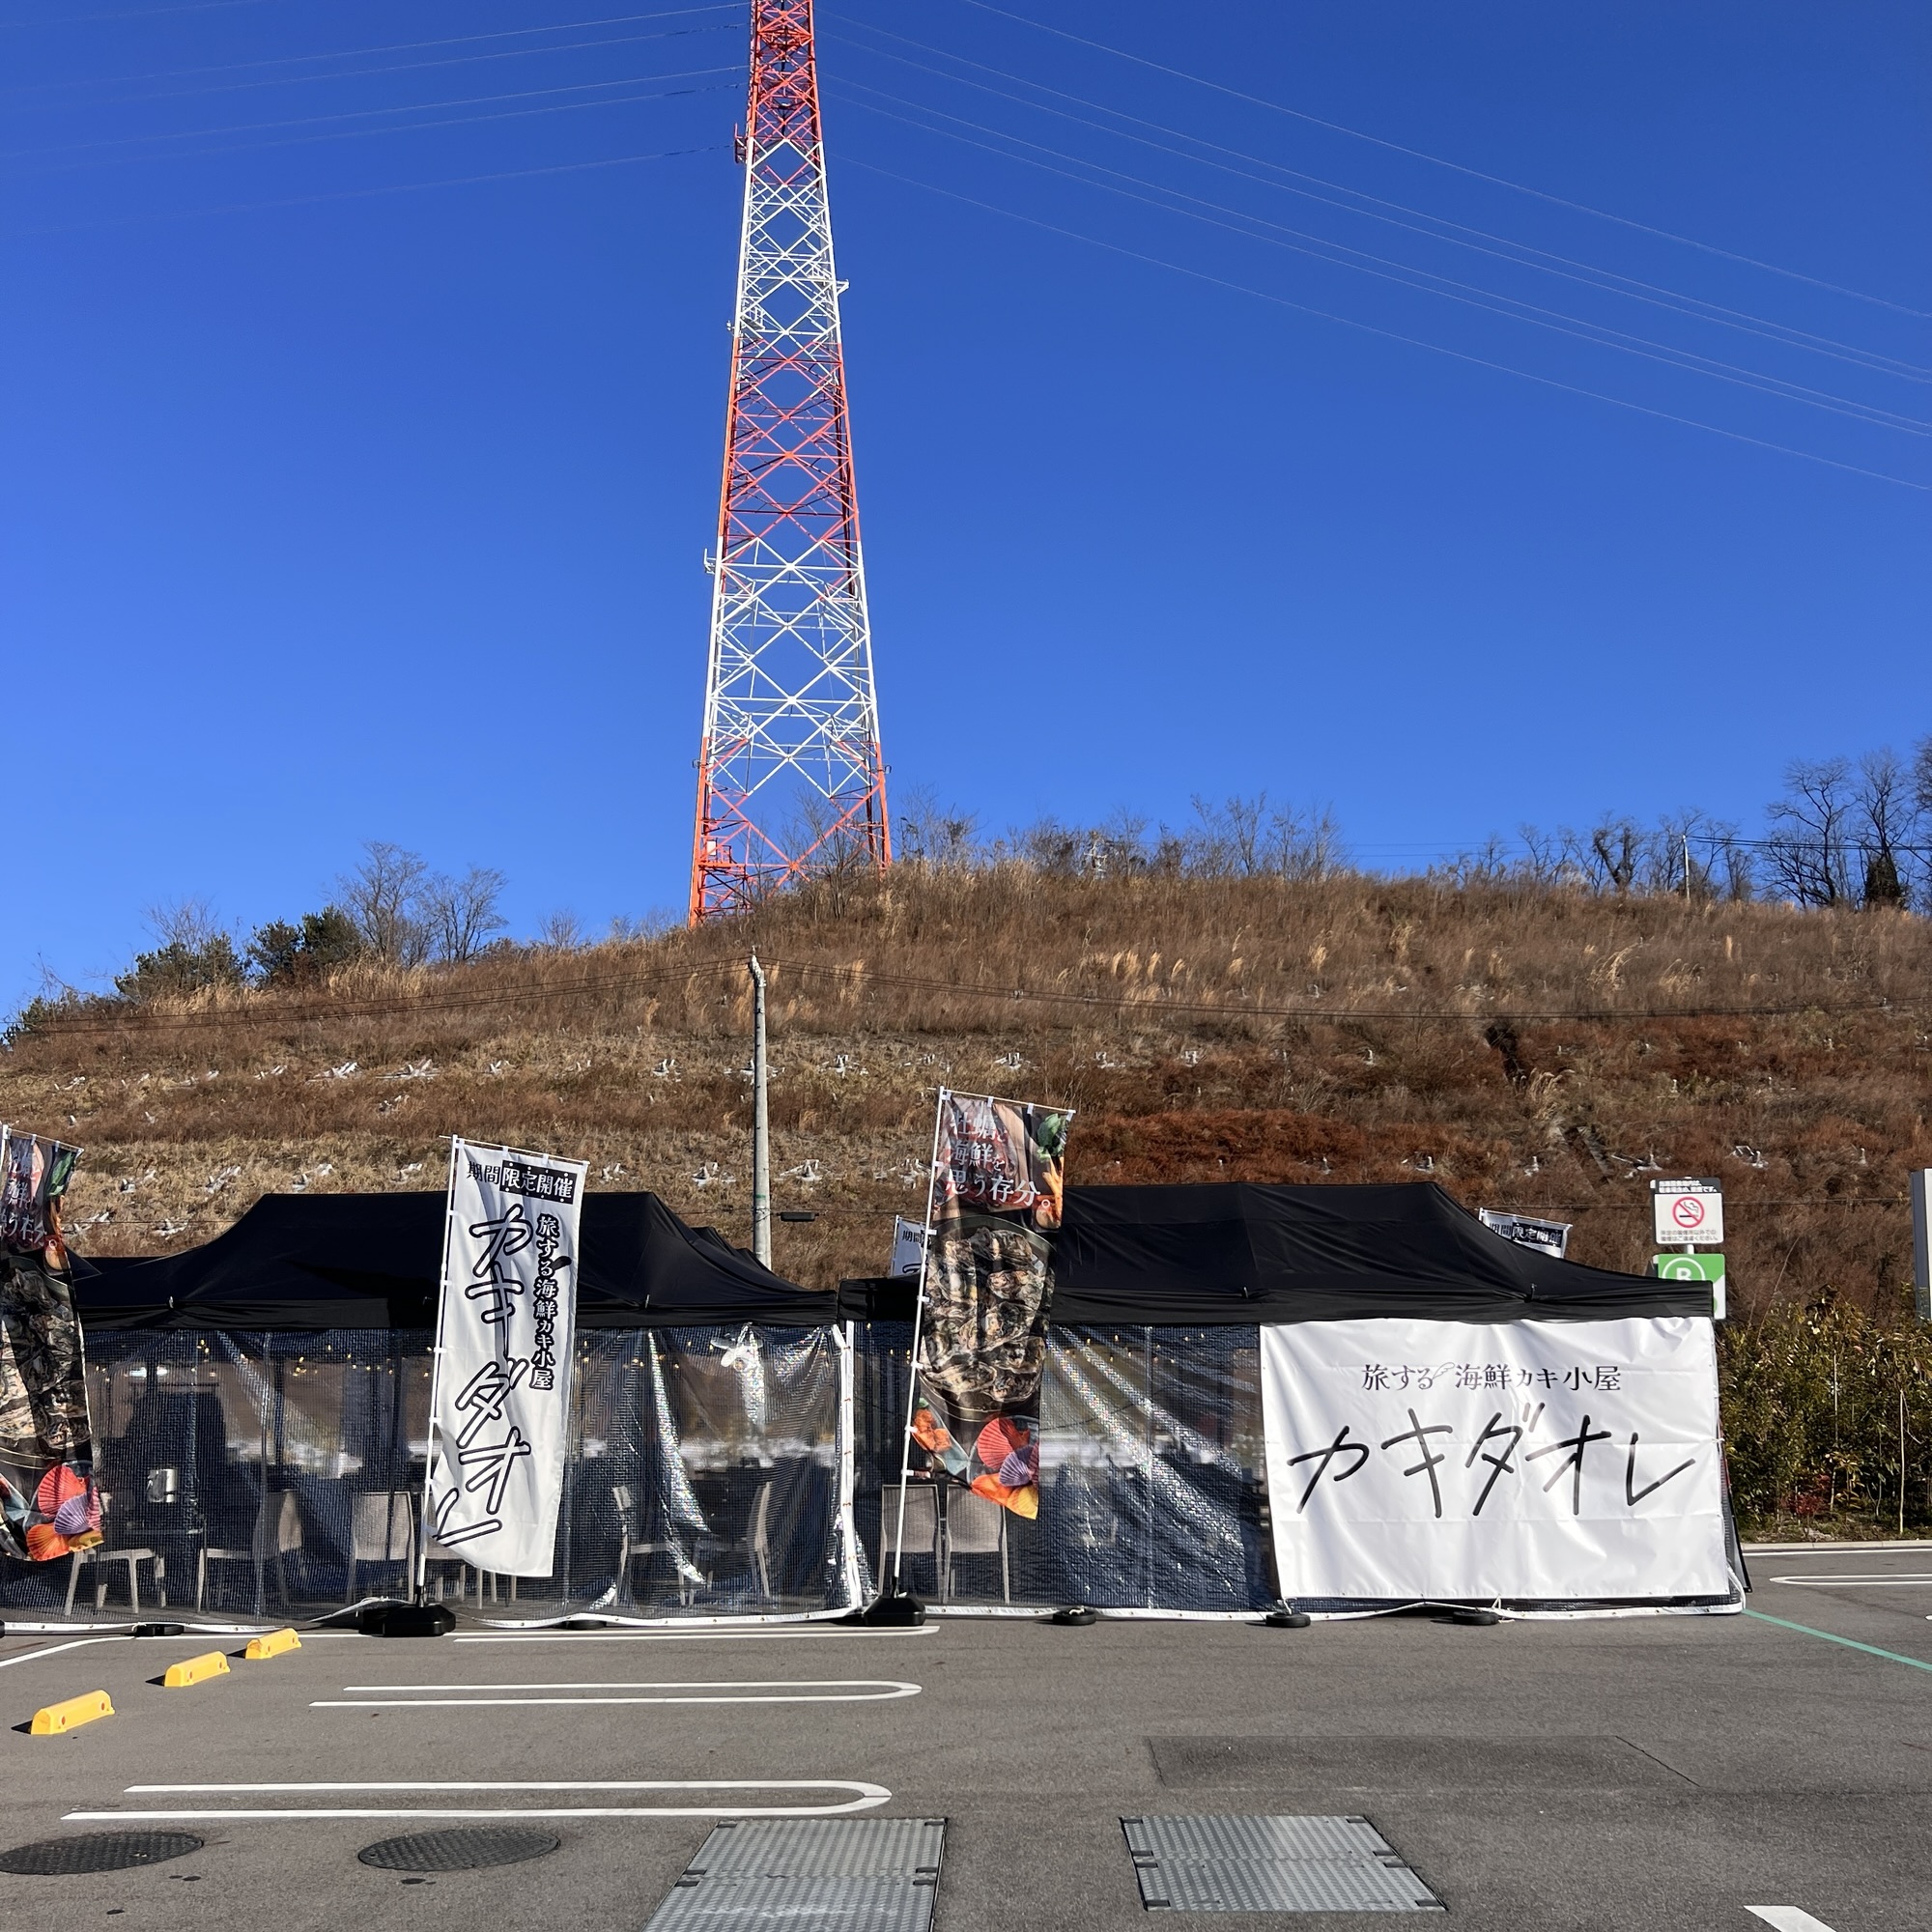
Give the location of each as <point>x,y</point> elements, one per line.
<point>472,1850</point>
<point>810,1875</point>
<point>1272,1864</point>
<point>97,1852</point>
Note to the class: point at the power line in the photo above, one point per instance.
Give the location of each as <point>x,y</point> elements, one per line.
<point>1458,167</point>
<point>1589,273</point>
<point>1471,294</point>
<point>361,194</point>
<point>362,114</point>
<point>135,1019</point>
<point>1152,1008</point>
<point>1394,335</point>
<point>387,47</point>
<point>145,13</point>
<point>404,66</point>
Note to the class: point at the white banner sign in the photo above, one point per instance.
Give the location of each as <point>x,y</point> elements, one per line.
<point>1529,1460</point>
<point>504,1334</point>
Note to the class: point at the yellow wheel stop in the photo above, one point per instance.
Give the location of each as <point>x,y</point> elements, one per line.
<point>57,1718</point>
<point>275,1644</point>
<point>195,1670</point>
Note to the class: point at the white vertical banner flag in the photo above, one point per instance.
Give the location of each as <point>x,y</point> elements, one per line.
<point>1527,1461</point>
<point>500,1410</point>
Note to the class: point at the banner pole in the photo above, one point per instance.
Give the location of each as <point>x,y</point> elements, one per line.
<point>918,1316</point>
<point>435,1374</point>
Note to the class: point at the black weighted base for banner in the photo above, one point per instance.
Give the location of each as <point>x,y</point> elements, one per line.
<point>1077,1615</point>
<point>1468,1615</point>
<point>897,1609</point>
<point>406,1620</point>
<point>1288,1618</point>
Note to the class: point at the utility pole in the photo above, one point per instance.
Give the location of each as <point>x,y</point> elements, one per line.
<point>762,1125</point>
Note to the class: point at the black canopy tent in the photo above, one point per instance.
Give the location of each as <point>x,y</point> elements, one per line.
<point>319,1262</point>
<point>718,1402</point>
<point>1236,1254</point>
<point>1154,1497</point>
<point>259,1416</point>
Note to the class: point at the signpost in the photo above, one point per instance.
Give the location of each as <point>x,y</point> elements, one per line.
<point>1686,1213</point>
<point>1921,1244</point>
<point>1694,1267</point>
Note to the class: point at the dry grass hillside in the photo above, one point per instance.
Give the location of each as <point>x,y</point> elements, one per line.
<point>1541,1050</point>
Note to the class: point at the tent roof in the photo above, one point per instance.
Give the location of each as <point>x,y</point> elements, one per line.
<point>1240,1253</point>
<point>373,1261</point>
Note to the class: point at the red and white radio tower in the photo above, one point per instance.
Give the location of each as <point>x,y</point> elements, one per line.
<point>790,775</point>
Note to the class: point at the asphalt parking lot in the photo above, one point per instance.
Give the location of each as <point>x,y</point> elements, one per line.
<point>1634,1774</point>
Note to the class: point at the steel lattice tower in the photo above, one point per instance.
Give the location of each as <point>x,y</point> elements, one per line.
<point>790,775</point>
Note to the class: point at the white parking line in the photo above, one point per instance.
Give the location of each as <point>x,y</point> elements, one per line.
<point>865,1797</point>
<point>1788,1918</point>
<point>763,1690</point>
<point>818,1634</point>
<point>1868,1580</point>
<point>54,1649</point>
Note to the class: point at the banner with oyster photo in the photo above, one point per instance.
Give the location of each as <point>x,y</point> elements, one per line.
<point>49,1506</point>
<point>985,1293</point>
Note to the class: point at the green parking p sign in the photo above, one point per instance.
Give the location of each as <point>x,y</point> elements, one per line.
<point>1693,1268</point>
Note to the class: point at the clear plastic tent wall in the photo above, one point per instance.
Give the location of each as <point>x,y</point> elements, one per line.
<point>1152,1484</point>
<point>256,1476</point>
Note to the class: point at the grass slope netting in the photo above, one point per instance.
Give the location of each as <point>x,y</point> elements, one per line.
<point>262,1475</point>
<point>1152,1483</point>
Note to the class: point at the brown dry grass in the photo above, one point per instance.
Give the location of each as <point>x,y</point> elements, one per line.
<point>1527,1048</point>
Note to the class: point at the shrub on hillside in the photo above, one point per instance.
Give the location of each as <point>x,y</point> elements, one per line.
<point>1812,1410</point>
<point>194,954</point>
<point>283,954</point>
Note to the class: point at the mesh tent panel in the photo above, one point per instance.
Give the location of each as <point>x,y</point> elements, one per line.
<point>257,1475</point>
<point>1152,1484</point>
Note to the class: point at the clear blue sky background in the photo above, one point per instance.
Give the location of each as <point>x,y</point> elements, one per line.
<point>329,512</point>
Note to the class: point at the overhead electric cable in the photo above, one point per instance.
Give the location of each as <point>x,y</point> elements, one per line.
<point>272,1013</point>
<point>361,114</point>
<point>1589,274</point>
<point>384,48</point>
<point>1473,295</point>
<point>144,14</point>
<point>849,977</point>
<point>361,194</point>
<point>1393,335</point>
<point>1458,167</point>
<point>403,67</point>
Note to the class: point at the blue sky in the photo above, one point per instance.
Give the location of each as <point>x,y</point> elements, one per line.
<point>335,506</point>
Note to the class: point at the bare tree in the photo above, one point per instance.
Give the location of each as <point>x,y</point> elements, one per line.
<point>933,834</point>
<point>384,897</point>
<point>1117,848</point>
<point>1307,845</point>
<point>560,932</point>
<point>190,924</point>
<point>1808,852</point>
<point>192,949</point>
<point>1616,846</point>
<point>464,913</point>
<point>1245,838</point>
<point>1886,806</point>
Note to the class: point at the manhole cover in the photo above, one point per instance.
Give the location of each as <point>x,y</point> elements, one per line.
<point>457,1851</point>
<point>1223,1863</point>
<point>97,1852</point>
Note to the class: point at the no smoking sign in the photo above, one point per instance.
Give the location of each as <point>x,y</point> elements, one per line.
<point>1687,1211</point>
